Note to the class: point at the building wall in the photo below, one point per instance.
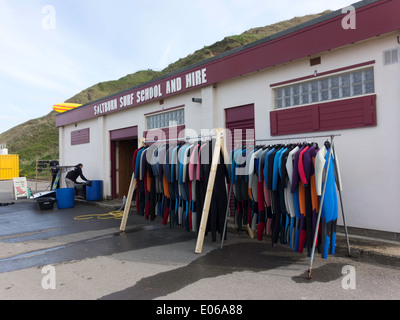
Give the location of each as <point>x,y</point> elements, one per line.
<point>368,156</point>
<point>370,178</point>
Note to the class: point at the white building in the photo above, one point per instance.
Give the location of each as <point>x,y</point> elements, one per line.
<point>336,74</point>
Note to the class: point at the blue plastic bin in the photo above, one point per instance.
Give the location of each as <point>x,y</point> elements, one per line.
<point>95,191</point>
<point>65,198</point>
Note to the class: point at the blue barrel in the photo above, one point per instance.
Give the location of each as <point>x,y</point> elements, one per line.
<point>65,198</point>
<point>95,191</point>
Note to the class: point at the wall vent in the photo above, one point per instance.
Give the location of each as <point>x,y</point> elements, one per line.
<point>391,56</point>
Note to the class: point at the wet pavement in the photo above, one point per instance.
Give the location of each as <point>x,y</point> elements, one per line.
<point>94,260</point>
<point>25,223</point>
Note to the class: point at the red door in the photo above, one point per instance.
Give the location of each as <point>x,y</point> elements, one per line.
<point>125,141</point>
<point>240,119</point>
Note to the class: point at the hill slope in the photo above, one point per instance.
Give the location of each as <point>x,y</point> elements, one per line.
<point>38,138</point>
<point>104,89</point>
<point>35,139</point>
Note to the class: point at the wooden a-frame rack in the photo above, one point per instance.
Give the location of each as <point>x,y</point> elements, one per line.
<point>132,187</point>
<point>219,145</point>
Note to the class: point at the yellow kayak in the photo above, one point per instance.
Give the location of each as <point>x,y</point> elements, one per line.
<point>63,107</point>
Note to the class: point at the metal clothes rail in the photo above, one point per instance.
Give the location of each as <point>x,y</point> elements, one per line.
<point>331,136</point>
<point>183,139</point>
<point>332,151</point>
<point>221,146</point>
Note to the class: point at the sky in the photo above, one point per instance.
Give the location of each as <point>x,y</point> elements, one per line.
<point>51,50</point>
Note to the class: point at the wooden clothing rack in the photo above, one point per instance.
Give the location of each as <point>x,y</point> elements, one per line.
<point>219,135</point>
<point>219,145</point>
<point>132,187</point>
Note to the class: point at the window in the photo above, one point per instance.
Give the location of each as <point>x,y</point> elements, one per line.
<point>80,137</point>
<point>346,85</point>
<point>391,56</point>
<point>164,120</point>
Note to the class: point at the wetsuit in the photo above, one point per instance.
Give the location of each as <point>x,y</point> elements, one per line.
<point>306,172</point>
<point>219,201</point>
<point>329,212</point>
<point>298,192</point>
<point>293,202</point>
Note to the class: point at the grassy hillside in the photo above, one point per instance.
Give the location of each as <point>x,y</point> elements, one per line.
<point>104,89</point>
<point>35,139</point>
<point>38,138</point>
<point>232,42</point>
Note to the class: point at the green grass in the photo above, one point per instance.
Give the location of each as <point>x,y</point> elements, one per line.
<point>33,140</point>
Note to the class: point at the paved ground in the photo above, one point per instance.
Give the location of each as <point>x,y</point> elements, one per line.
<point>92,260</point>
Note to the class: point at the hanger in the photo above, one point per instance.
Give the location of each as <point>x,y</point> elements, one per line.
<point>327,144</point>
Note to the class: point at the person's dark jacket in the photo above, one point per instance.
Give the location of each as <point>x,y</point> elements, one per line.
<point>74,174</point>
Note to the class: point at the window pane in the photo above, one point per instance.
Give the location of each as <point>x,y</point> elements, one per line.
<point>158,122</point>
<point>335,93</point>
<point>345,79</point>
<point>296,100</point>
<point>324,84</point>
<point>357,77</point>
<point>369,74</point>
<point>314,86</point>
<point>324,95</point>
<point>181,119</point>
<point>314,97</point>
<point>305,88</point>
<point>314,91</point>
<point>278,103</point>
<point>287,102</point>
<point>278,93</point>
<point>369,87</point>
<point>334,82</point>
<point>345,91</point>
<point>287,97</point>
<point>305,98</point>
<point>357,89</point>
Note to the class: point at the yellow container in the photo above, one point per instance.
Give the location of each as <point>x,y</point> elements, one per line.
<point>9,167</point>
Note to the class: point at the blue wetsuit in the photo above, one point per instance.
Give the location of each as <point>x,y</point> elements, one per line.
<point>329,213</point>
